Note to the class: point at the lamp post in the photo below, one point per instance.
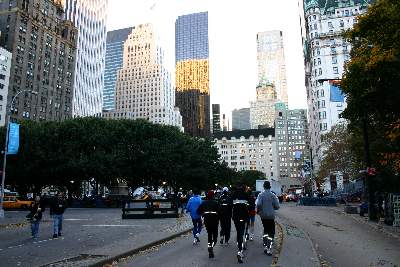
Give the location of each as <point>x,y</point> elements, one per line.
<point>6,149</point>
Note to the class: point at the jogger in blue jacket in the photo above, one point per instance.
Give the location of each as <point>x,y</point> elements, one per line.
<point>192,206</point>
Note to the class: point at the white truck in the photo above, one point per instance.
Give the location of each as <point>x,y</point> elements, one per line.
<point>276,187</point>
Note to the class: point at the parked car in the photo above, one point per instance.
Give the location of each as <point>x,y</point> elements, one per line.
<point>12,202</point>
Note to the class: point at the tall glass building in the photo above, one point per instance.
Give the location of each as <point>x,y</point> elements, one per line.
<point>271,62</point>
<point>192,73</point>
<point>89,16</point>
<point>114,60</point>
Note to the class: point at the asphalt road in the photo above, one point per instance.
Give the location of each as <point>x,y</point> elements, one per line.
<point>340,240</point>
<point>88,235</point>
<point>182,253</point>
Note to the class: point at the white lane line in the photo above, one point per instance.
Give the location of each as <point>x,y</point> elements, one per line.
<point>77,219</point>
<point>110,225</point>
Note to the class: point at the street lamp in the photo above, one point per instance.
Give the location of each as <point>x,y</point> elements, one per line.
<point>6,149</point>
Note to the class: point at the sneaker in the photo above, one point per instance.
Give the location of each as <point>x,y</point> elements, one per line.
<point>240,257</point>
<point>267,251</point>
<point>252,237</point>
<point>59,234</point>
<point>197,237</point>
<point>194,241</point>
<point>210,252</point>
<point>221,241</point>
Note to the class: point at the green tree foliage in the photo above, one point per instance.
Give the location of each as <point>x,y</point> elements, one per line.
<point>249,177</point>
<point>372,81</point>
<point>138,152</point>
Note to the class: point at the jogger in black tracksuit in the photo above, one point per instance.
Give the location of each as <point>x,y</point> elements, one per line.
<point>240,216</point>
<point>225,215</point>
<point>209,210</point>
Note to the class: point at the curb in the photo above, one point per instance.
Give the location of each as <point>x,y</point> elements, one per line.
<point>10,225</point>
<point>371,225</point>
<point>108,261</point>
<point>277,252</point>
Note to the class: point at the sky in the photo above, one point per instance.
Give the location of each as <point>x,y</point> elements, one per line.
<point>233,26</point>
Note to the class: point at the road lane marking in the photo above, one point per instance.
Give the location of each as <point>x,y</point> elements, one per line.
<point>77,219</point>
<point>110,225</point>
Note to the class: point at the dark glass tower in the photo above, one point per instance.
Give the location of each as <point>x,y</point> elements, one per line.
<point>216,118</point>
<point>192,73</point>
<point>114,59</point>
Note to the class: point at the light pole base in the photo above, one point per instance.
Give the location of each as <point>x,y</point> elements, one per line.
<point>1,214</point>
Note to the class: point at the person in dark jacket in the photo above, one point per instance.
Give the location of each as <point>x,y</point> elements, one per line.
<point>209,210</point>
<point>57,208</point>
<point>36,210</point>
<point>240,215</point>
<point>252,215</point>
<point>225,215</point>
<point>267,203</point>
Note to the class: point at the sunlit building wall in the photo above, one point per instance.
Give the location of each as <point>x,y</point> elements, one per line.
<point>192,73</point>
<point>143,87</point>
<point>89,16</point>
<point>326,51</point>
<point>262,111</point>
<point>271,62</point>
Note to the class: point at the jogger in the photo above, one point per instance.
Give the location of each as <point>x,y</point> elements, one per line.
<point>225,215</point>
<point>191,207</point>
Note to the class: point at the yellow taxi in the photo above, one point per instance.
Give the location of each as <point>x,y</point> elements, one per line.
<point>12,202</point>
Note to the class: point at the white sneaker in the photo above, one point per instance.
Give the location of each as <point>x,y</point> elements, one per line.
<point>197,237</point>
<point>194,241</point>
<point>240,256</point>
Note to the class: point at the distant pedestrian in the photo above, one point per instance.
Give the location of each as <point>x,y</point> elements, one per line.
<point>57,209</point>
<point>191,207</point>
<point>240,215</point>
<point>36,210</point>
<point>225,215</point>
<point>267,203</point>
<point>209,210</point>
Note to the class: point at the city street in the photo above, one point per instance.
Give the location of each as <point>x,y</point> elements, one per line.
<point>340,240</point>
<point>89,235</point>
<point>182,253</point>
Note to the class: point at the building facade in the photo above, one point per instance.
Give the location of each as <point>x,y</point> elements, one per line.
<point>192,73</point>
<point>291,132</point>
<point>241,119</point>
<point>326,52</point>
<point>5,67</point>
<point>143,88</point>
<point>43,45</point>
<point>114,59</point>
<point>262,111</point>
<point>89,16</point>
<point>216,118</point>
<point>249,150</point>
<point>271,62</point>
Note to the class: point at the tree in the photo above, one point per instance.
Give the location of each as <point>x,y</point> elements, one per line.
<point>371,83</point>
<point>339,155</point>
<point>249,177</point>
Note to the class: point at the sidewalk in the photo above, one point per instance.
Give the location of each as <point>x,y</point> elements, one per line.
<point>380,226</point>
<point>297,247</point>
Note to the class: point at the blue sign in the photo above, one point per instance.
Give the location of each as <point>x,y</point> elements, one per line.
<point>336,94</point>
<point>13,139</point>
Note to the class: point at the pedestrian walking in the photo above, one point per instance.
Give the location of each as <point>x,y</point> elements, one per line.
<point>225,215</point>
<point>267,203</point>
<point>240,214</point>
<point>209,210</point>
<point>57,209</point>
<point>252,215</point>
<point>36,210</point>
<point>191,207</point>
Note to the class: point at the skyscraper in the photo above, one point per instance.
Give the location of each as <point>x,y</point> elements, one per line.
<point>326,51</point>
<point>43,47</point>
<point>216,118</point>
<point>143,88</point>
<point>89,16</point>
<point>271,62</point>
<point>241,119</point>
<point>192,73</point>
<point>5,67</point>
<point>114,59</point>
<point>262,111</point>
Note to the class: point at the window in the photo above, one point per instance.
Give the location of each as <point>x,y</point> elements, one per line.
<point>322,93</point>
<point>335,70</point>
<point>320,71</point>
<point>323,103</point>
<point>1,86</point>
<point>319,61</point>
<point>330,25</point>
<point>334,60</point>
<point>341,23</point>
<point>2,77</point>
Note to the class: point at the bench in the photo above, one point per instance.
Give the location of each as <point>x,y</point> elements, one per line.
<point>150,209</point>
